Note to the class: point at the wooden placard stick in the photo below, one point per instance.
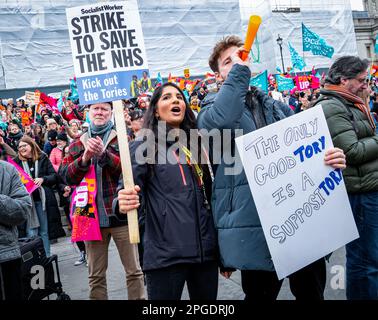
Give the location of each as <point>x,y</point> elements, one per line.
<point>127,172</point>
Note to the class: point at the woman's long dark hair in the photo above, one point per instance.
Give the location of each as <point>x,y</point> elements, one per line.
<point>38,136</point>
<point>189,123</point>
<point>151,122</point>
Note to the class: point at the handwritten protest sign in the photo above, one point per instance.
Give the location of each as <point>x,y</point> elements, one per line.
<point>107,48</point>
<point>30,98</point>
<point>302,204</point>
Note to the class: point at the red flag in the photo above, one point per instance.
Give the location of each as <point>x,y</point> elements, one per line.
<point>374,70</point>
<point>49,102</point>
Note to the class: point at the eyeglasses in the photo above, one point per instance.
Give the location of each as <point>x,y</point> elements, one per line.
<point>363,80</point>
<point>22,147</point>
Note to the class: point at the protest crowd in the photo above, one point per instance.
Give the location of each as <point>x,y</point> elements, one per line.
<point>192,216</point>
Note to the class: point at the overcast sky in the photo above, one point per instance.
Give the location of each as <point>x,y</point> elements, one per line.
<point>356,4</point>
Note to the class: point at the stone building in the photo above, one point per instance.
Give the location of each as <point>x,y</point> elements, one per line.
<point>366,29</point>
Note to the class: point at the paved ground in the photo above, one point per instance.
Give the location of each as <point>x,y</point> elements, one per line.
<point>75,282</point>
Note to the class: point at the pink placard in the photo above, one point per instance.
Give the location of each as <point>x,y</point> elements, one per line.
<point>303,82</point>
<point>307,82</point>
<point>315,82</point>
<point>84,215</point>
<point>25,178</point>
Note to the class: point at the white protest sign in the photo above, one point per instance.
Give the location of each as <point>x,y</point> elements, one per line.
<point>30,98</point>
<point>302,203</point>
<point>107,49</point>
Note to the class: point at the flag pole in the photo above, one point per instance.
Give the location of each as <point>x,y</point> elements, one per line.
<point>303,52</point>
<point>303,57</point>
<point>370,75</point>
<point>127,172</point>
<point>35,113</point>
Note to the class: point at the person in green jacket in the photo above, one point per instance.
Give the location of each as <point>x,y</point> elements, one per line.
<point>353,130</point>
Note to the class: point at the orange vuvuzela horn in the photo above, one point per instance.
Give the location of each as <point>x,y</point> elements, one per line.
<point>253,26</point>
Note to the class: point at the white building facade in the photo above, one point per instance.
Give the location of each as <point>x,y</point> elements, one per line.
<point>366,29</point>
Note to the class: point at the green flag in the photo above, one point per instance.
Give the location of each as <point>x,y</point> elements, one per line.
<point>296,59</point>
<point>314,43</point>
<point>260,81</point>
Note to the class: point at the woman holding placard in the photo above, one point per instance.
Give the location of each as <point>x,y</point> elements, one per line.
<point>180,242</point>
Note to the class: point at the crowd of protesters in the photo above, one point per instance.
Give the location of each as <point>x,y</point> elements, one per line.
<point>184,239</point>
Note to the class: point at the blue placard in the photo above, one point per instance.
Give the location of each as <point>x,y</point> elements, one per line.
<point>107,87</point>
<point>284,84</point>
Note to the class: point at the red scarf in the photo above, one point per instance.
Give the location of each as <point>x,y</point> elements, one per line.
<point>356,100</point>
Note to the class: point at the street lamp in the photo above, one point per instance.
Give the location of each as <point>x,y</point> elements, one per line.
<point>279,42</point>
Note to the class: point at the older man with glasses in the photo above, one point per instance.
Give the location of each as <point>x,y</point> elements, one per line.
<point>99,148</point>
<point>353,130</point>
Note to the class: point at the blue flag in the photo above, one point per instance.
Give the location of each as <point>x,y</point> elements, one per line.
<point>3,125</point>
<point>278,69</point>
<point>159,79</point>
<point>74,94</point>
<point>376,44</point>
<point>260,81</point>
<point>296,59</point>
<point>186,94</point>
<point>284,83</point>
<point>314,43</point>
<point>87,120</point>
<point>60,103</point>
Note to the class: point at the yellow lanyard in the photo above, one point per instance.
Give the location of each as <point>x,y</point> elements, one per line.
<point>199,172</point>
<point>190,161</point>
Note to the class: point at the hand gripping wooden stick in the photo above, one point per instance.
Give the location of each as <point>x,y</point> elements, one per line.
<point>253,27</point>
<point>127,173</point>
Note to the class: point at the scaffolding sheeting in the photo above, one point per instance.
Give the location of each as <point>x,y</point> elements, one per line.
<point>179,34</point>
<point>35,49</point>
<point>331,20</point>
